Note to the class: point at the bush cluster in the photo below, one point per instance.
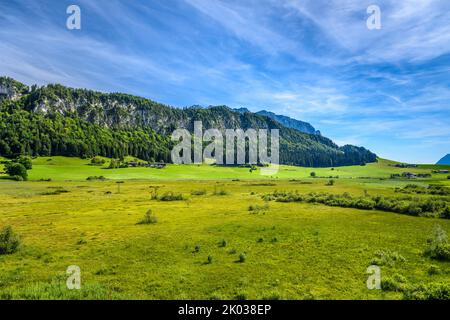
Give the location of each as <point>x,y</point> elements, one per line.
<point>431,189</point>
<point>415,206</point>
<point>171,196</point>
<point>97,161</point>
<point>430,291</point>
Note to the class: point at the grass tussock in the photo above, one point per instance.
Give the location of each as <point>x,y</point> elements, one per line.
<point>220,192</point>
<point>387,258</point>
<point>200,192</point>
<point>149,218</point>
<point>255,208</point>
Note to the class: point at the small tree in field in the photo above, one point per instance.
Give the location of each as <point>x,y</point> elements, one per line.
<point>313,174</point>
<point>16,170</point>
<point>9,241</point>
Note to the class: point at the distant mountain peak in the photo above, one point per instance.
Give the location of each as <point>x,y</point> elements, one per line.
<point>445,160</point>
<point>290,122</point>
<point>241,110</point>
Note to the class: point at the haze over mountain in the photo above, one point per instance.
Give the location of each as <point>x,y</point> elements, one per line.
<point>57,120</point>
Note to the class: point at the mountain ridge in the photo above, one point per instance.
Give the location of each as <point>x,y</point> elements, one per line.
<point>117,124</point>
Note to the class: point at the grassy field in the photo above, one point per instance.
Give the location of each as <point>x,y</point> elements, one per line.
<point>292,250</point>
<point>63,169</point>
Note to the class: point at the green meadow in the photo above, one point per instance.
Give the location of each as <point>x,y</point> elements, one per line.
<point>64,168</point>
<point>220,241</point>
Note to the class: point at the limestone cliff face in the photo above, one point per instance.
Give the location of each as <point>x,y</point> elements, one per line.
<point>11,89</point>
<point>124,111</point>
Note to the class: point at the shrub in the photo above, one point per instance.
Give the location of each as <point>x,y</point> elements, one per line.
<point>438,245</point>
<point>441,252</point>
<point>242,258</point>
<point>93,178</point>
<point>222,244</point>
<point>97,161</point>
<point>330,182</point>
<point>257,208</point>
<point>364,203</point>
<point>433,269</point>
<point>25,161</point>
<point>220,192</point>
<point>171,196</point>
<point>154,193</point>
<point>210,259</point>
<point>430,207</point>
<point>149,218</point>
<point>313,174</point>
<point>116,163</point>
<point>198,192</point>
<point>17,178</point>
<point>395,283</point>
<point>432,291</point>
<point>445,214</point>
<point>9,241</point>
<point>16,169</point>
<point>414,209</point>
<point>387,257</point>
<point>241,296</point>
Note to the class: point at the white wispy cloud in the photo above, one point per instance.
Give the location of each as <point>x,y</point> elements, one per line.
<point>411,30</point>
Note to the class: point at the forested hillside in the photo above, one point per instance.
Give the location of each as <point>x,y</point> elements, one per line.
<point>57,120</point>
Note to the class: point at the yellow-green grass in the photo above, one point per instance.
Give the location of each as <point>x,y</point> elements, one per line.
<point>320,252</point>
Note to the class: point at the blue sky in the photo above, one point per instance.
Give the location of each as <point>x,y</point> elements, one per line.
<point>387,89</point>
